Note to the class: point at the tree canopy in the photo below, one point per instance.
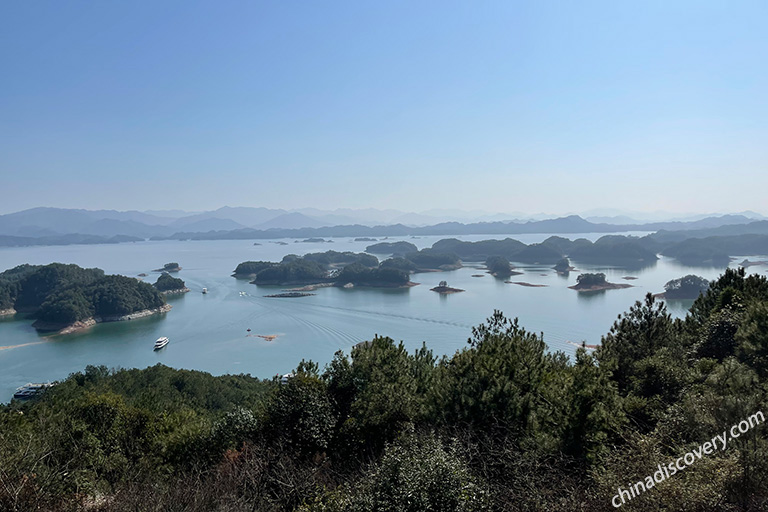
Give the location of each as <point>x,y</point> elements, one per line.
<point>505,423</point>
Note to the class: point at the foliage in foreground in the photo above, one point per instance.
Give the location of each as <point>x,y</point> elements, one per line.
<point>503,424</point>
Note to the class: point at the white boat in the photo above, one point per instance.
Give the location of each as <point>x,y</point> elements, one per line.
<point>205,290</point>
<point>161,342</point>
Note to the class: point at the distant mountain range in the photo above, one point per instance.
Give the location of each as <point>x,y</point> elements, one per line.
<point>57,225</point>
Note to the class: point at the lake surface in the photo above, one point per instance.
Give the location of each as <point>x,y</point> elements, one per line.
<point>209,332</point>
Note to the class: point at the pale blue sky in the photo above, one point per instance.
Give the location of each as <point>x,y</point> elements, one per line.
<point>503,106</point>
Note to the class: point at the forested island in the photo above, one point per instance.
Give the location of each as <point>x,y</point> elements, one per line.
<point>616,250</point>
<point>563,266</point>
<point>169,267</point>
<point>686,287</point>
<point>65,298</point>
<point>499,266</point>
<point>315,241</point>
<point>595,282</point>
<point>504,424</point>
<point>169,285</point>
<point>330,267</point>
<point>443,288</point>
<point>612,250</point>
<point>346,268</point>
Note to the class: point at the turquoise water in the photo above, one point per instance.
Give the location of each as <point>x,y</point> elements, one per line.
<point>208,332</point>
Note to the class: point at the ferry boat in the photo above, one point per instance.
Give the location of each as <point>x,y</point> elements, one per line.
<point>161,342</point>
<point>31,390</point>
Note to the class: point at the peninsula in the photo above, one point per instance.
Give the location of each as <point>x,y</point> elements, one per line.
<point>65,298</point>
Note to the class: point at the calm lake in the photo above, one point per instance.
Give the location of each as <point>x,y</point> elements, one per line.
<point>209,332</point>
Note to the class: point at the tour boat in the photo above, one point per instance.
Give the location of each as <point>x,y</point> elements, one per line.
<point>30,390</point>
<point>161,342</point>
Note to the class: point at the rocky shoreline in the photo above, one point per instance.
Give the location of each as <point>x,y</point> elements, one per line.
<point>289,295</point>
<point>7,312</point>
<point>599,287</point>
<point>445,290</point>
<point>80,325</point>
<point>175,292</point>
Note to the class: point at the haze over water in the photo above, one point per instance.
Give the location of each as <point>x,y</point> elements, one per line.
<point>209,332</point>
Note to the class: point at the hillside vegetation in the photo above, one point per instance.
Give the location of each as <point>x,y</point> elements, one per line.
<point>503,424</point>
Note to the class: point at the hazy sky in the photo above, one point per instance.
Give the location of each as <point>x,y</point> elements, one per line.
<point>503,106</point>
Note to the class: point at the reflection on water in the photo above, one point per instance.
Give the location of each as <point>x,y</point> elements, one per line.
<point>679,307</point>
<point>591,295</point>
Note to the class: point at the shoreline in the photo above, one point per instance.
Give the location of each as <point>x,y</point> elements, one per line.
<point>176,291</point>
<point>315,286</point>
<point>445,290</point>
<point>664,296</point>
<point>409,284</point>
<point>505,274</point>
<point>441,268</point>
<point>7,312</point>
<point>600,287</point>
<point>81,325</point>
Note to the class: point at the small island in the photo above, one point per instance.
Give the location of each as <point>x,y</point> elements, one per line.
<point>315,241</point>
<point>169,267</point>
<point>596,282</point>
<point>365,239</point>
<point>499,266</point>
<point>443,289</point>
<point>686,287</point>
<point>169,285</point>
<point>563,266</point>
<point>528,285</point>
